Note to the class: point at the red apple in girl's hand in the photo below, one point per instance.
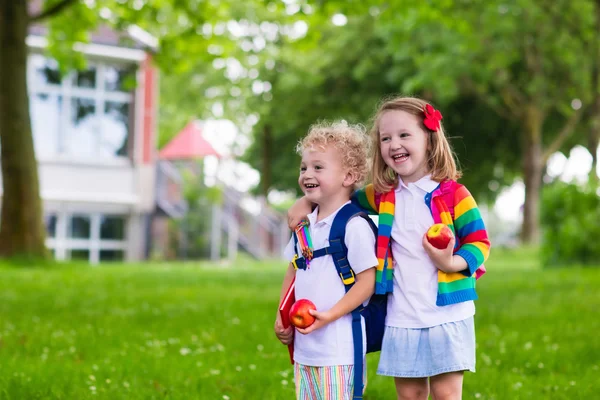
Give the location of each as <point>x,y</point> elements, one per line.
<point>439,236</point>
<point>299,315</point>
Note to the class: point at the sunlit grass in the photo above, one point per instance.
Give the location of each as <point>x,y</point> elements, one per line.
<point>204,331</point>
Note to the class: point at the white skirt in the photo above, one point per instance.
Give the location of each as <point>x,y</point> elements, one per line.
<point>419,353</point>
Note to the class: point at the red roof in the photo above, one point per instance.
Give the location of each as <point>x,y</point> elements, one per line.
<point>188,145</point>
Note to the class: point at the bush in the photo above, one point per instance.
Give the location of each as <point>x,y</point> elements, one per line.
<point>570,219</point>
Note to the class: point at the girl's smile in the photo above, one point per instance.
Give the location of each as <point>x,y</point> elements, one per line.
<point>400,158</point>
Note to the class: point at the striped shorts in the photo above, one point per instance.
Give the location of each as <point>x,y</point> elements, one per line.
<point>334,382</point>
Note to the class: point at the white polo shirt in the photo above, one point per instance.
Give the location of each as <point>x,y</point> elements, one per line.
<point>321,284</point>
<point>412,303</point>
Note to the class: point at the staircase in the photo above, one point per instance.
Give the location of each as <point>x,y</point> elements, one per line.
<point>169,194</point>
<point>250,223</point>
<point>241,221</point>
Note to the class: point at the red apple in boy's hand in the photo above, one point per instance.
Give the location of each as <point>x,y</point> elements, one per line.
<point>299,315</point>
<point>439,236</point>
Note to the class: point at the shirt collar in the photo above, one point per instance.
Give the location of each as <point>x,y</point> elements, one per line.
<point>312,217</point>
<point>425,183</point>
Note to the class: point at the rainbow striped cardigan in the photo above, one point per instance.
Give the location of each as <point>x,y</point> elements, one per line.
<point>463,218</point>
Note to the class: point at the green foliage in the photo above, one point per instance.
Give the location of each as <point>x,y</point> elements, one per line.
<point>504,52</point>
<point>487,146</point>
<point>70,26</point>
<point>346,75</point>
<point>485,52</point>
<point>195,225</point>
<point>569,216</point>
<point>205,331</point>
<point>220,79</point>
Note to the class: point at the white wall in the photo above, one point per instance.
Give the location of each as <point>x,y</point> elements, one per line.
<point>85,182</point>
<point>118,183</point>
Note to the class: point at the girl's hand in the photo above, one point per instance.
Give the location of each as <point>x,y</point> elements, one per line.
<point>322,319</point>
<point>299,210</point>
<point>442,258</point>
<point>285,335</point>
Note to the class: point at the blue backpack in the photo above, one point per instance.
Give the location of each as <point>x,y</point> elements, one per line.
<point>374,312</point>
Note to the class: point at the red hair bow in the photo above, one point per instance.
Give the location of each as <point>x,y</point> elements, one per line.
<point>432,118</point>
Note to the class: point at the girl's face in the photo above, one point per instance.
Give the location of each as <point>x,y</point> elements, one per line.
<point>403,145</point>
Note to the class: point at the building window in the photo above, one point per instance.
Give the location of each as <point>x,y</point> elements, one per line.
<point>50,221</point>
<point>78,254</point>
<point>46,109</point>
<point>86,78</point>
<point>45,71</point>
<point>112,227</point>
<point>83,114</point>
<point>80,227</point>
<point>111,255</point>
<point>117,79</point>
<point>116,125</point>
<point>92,237</point>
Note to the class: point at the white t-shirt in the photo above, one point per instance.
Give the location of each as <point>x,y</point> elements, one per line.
<point>321,284</point>
<point>412,303</point>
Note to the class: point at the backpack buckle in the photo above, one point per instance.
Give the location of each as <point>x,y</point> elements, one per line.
<point>349,280</point>
<point>294,261</point>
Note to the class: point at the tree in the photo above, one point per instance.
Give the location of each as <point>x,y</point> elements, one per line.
<point>21,224</point>
<point>593,139</point>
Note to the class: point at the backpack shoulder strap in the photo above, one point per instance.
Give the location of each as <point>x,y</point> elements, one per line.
<point>337,245</point>
<point>339,254</point>
<point>337,248</point>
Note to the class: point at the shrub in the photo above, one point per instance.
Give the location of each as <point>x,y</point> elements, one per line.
<point>570,220</point>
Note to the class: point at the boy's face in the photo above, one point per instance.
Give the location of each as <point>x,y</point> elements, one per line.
<point>322,176</point>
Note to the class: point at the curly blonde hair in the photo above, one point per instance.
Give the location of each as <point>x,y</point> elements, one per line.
<point>350,139</point>
<point>441,158</point>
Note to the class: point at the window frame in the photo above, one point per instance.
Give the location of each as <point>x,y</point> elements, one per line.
<point>61,243</point>
<point>68,91</point>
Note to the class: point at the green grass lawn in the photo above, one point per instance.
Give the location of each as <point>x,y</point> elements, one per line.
<point>204,331</point>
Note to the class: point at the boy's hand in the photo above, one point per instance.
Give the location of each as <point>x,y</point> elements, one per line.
<point>442,258</point>
<point>285,335</point>
<point>299,210</point>
<point>322,319</point>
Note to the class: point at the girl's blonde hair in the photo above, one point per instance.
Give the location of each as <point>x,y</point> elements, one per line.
<point>441,162</point>
<point>350,140</point>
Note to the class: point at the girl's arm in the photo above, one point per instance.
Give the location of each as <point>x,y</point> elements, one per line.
<point>299,210</point>
<point>470,230</point>
<point>358,294</point>
<point>365,199</point>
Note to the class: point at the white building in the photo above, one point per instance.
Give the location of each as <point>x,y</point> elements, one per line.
<point>95,142</point>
